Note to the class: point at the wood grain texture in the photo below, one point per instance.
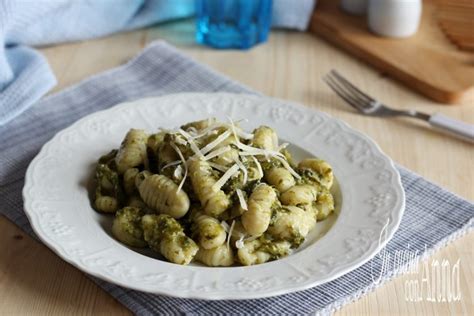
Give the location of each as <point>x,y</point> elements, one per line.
<point>33,280</point>
<point>426,62</point>
<point>456,19</point>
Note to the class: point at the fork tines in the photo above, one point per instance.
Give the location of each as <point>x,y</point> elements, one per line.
<point>347,91</point>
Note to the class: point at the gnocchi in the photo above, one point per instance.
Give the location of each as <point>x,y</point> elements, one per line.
<point>165,235</point>
<point>265,138</point>
<point>209,192</point>
<point>127,227</point>
<point>280,178</point>
<point>292,224</point>
<point>220,256</point>
<point>132,152</point>
<point>208,231</point>
<point>299,194</point>
<point>261,250</point>
<point>322,171</point>
<point>257,218</point>
<point>108,192</point>
<point>161,194</point>
<point>213,200</point>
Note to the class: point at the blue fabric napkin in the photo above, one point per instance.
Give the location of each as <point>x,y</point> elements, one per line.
<point>433,216</point>
<point>24,73</point>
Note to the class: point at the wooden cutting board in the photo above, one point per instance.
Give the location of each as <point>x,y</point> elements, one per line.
<point>426,62</point>
<point>456,19</point>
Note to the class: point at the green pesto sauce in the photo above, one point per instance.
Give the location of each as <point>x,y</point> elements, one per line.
<point>107,183</point>
<point>270,164</point>
<point>274,249</point>
<point>130,220</point>
<point>184,242</point>
<point>168,225</point>
<point>308,176</point>
<point>107,157</point>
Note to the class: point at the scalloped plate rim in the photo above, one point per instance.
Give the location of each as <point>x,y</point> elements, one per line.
<point>369,254</point>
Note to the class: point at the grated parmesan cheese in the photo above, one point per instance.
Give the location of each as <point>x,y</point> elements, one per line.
<point>230,232</point>
<point>193,145</point>
<point>245,135</point>
<point>218,166</point>
<point>225,226</point>
<point>259,166</point>
<point>240,243</point>
<point>180,141</point>
<point>282,146</point>
<point>232,126</point>
<point>208,130</point>
<point>239,132</point>
<point>244,170</point>
<point>192,130</point>
<point>180,154</point>
<point>242,201</point>
<point>171,164</point>
<point>226,176</point>
<point>254,151</point>
<point>217,152</point>
<point>178,172</point>
<point>215,142</point>
<point>287,166</point>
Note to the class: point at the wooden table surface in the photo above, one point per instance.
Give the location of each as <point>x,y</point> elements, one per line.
<point>33,280</point>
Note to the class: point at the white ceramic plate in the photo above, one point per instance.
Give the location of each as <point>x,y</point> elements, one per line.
<point>368,195</point>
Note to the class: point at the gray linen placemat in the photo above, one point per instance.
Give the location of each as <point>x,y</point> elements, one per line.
<point>432,218</point>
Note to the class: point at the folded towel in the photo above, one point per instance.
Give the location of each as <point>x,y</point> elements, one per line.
<point>25,75</point>
<point>432,218</point>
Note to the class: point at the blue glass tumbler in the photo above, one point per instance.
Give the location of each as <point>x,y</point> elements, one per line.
<point>233,23</point>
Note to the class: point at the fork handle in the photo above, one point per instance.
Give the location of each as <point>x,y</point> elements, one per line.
<point>453,127</point>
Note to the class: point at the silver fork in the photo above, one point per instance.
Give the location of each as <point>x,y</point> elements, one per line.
<point>369,106</point>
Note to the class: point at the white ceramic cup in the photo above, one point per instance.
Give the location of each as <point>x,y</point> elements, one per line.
<point>394,18</point>
<point>354,6</point>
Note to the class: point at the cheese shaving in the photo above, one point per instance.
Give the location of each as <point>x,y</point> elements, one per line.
<point>226,176</point>
<point>180,154</point>
<point>173,163</point>
<point>180,141</point>
<point>193,145</point>
<point>178,172</point>
<point>217,152</point>
<point>242,201</point>
<point>230,232</point>
<point>225,226</point>
<point>266,153</point>
<point>240,243</point>
<point>232,126</point>
<point>184,133</point>
<point>192,130</point>
<point>259,166</point>
<point>208,129</point>
<point>218,166</point>
<point>215,142</point>
<point>244,170</point>
<point>282,146</point>
<point>287,166</point>
<point>254,151</point>
<point>240,133</point>
<point>244,135</point>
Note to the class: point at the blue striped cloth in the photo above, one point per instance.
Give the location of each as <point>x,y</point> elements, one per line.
<point>432,218</point>
<point>25,75</point>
